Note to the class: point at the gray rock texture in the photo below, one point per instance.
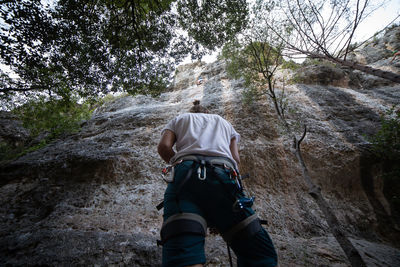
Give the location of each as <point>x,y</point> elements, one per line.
<point>376,53</point>
<point>89,199</point>
<point>11,130</point>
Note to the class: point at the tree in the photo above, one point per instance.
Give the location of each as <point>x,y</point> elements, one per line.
<point>324,29</point>
<point>256,56</point>
<point>92,47</point>
<point>385,144</point>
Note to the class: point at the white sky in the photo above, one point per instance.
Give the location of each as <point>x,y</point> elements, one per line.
<point>376,22</point>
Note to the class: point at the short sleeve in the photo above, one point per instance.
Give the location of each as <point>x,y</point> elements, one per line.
<point>170,126</point>
<point>235,134</point>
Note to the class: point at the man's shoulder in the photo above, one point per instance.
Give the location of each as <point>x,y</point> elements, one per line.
<point>206,116</point>
<point>184,115</point>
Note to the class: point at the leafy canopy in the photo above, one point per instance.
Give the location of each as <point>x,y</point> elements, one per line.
<point>93,47</point>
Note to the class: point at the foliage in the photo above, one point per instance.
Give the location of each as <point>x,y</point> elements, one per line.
<point>290,64</point>
<point>51,118</point>
<point>225,18</point>
<point>386,145</point>
<point>93,47</point>
<point>251,95</point>
<point>386,142</point>
<point>321,29</point>
<point>251,61</point>
<point>8,152</point>
<point>55,116</point>
<point>47,119</point>
<point>255,57</point>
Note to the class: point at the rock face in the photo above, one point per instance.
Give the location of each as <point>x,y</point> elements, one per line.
<point>377,54</point>
<point>90,198</point>
<point>11,130</point>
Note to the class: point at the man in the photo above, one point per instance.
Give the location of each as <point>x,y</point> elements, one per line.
<point>206,191</point>
<point>199,81</point>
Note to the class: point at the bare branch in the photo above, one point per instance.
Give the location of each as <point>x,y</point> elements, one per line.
<point>302,137</point>
<point>357,20</point>
<point>15,89</point>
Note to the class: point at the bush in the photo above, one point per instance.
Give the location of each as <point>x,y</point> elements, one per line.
<point>55,116</point>
<point>386,146</point>
<point>386,142</point>
<point>46,119</point>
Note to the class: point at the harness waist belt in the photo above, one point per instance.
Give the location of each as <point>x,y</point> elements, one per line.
<point>209,159</point>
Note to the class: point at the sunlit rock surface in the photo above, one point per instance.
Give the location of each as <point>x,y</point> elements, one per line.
<point>89,199</point>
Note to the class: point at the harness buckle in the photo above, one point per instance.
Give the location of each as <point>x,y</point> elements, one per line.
<point>202,171</point>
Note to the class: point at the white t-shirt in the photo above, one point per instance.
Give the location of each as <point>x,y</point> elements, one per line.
<point>204,134</point>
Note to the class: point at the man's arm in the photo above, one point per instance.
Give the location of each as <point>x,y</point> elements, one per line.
<point>164,148</point>
<point>234,150</point>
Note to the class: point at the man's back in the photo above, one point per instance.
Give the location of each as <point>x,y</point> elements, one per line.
<point>200,133</point>
<point>205,190</point>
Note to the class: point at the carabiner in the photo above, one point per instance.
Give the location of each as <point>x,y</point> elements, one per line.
<point>200,172</point>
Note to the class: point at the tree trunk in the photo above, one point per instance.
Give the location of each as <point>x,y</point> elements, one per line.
<point>333,223</point>
<point>394,77</point>
<point>351,252</point>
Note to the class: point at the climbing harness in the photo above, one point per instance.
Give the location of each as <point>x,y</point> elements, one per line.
<point>249,226</point>
<point>243,202</point>
<point>204,162</point>
<point>168,174</point>
<point>182,223</point>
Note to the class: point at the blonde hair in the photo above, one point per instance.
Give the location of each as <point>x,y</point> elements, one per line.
<point>197,108</point>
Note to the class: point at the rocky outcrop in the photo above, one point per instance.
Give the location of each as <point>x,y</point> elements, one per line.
<point>89,198</point>
<point>379,51</point>
<point>11,130</point>
<point>370,66</point>
<point>324,74</point>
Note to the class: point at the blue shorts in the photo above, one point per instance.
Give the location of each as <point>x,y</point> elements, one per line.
<point>212,199</point>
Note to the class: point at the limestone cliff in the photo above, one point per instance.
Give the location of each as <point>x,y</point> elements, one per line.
<point>89,199</point>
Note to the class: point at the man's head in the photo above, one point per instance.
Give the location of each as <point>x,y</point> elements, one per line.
<point>197,108</point>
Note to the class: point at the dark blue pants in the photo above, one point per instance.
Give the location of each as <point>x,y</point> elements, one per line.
<point>212,199</point>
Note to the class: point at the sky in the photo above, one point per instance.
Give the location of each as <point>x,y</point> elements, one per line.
<point>376,22</point>
<point>381,18</point>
